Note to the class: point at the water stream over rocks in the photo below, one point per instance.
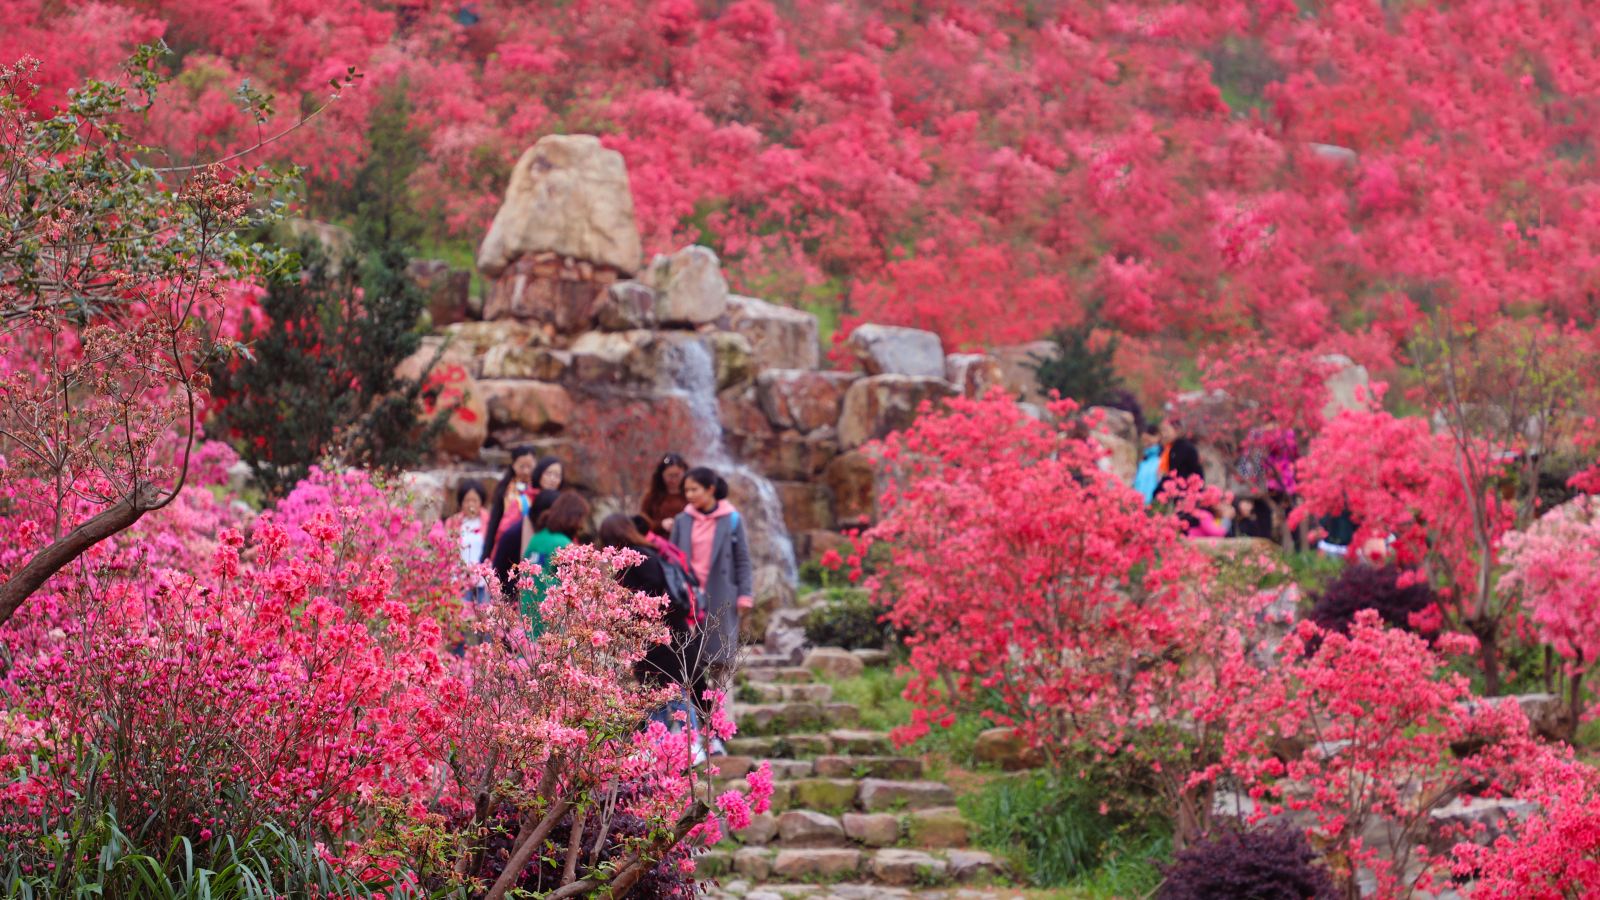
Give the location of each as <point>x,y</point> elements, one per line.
<point>688,369</point>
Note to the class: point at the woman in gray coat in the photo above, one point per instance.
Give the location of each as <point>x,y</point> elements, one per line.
<point>711,534</point>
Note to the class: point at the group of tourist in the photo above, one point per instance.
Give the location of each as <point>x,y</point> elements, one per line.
<point>695,548</point>
<point>1167,455</point>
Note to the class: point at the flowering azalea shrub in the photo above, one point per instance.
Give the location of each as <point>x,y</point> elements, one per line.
<point>1180,169</point>
<point>1555,566</point>
<point>1359,737</point>
<point>204,684</point>
<point>292,689</point>
<point>1399,480</point>
<point>1024,576</point>
<point>1551,850</point>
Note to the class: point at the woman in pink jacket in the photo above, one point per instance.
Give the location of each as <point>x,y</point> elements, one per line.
<point>711,534</point>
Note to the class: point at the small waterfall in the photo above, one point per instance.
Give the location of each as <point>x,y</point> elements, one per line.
<point>691,373</point>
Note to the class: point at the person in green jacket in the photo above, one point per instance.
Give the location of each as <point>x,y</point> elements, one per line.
<point>557,527</point>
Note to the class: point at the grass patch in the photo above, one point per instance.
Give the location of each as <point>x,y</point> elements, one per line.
<point>1312,570</point>
<point>460,253</point>
<point>1055,836</point>
<point>876,692</point>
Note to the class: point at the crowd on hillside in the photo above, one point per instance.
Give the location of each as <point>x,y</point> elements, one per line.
<point>1168,457</point>
<point>695,553</point>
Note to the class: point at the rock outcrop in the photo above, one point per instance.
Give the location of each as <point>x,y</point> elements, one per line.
<point>568,196</point>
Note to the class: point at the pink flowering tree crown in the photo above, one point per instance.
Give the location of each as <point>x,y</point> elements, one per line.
<point>1025,576</point>
<point>1554,567</point>
<point>1359,738</point>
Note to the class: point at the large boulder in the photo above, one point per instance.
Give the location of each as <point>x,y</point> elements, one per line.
<point>520,361</point>
<point>1347,377</point>
<point>627,305</point>
<point>532,407</point>
<point>474,339</point>
<point>805,506</point>
<point>1116,433</point>
<point>690,289</point>
<point>892,350</point>
<point>788,455</point>
<point>852,483</point>
<point>617,437</point>
<point>450,390</point>
<point>973,374</point>
<point>1016,368</point>
<point>877,406</point>
<point>569,196</point>
<point>616,357</point>
<point>782,338</point>
<point>563,292</point>
<point>446,289</point>
<point>1007,749</point>
<point>802,399</point>
<point>731,358</point>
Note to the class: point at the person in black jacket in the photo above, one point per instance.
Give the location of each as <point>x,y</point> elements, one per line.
<point>1179,460</point>
<point>677,662</point>
<point>507,550</point>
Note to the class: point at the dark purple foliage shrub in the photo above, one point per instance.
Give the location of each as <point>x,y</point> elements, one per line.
<point>1361,586</point>
<point>1266,864</point>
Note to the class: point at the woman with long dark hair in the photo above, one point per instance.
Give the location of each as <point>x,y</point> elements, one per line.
<point>470,527</point>
<point>512,497</point>
<point>557,527</point>
<point>508,548</point>
<point>711,533</point>
<point>665,499</point>
<point>677,662</point>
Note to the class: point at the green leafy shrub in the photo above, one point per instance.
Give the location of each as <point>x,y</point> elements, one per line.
<point>96,858</point>
<point>320,379</point>
<point>1081,368</point>
<point>849,620</point>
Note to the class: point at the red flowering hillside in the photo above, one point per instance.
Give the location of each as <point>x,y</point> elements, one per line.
<point>988,169</point>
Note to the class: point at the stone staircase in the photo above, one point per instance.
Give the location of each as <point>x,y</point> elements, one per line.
<point>850,818</point>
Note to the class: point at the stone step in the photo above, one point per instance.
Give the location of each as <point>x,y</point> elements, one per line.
<point>785,673</point>
<point>838,742</point>
<point>883,795</point>
<point>870,657</point>
<point>739,766</point>
<point>758,660</point>
<point>936,828</point>
<point>779,692</point>
<point>888,866</point>
<point>905,768</point>
<point>755,719</point>
<point>839,795</point>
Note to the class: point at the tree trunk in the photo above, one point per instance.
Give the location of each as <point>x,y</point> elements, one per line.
<point>637,863</point>
<point>52,559</point>
<point>1489,659</point>
<point>526,845</point>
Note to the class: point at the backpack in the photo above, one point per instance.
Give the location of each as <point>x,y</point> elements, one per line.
<point>682,587</point>
<point>681,605</point>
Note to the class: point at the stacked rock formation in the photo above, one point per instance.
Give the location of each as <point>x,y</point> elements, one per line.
<point>586,350</point>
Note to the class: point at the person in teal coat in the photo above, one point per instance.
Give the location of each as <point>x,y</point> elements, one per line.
<point>557,527</point>
<point>1148,477</point>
